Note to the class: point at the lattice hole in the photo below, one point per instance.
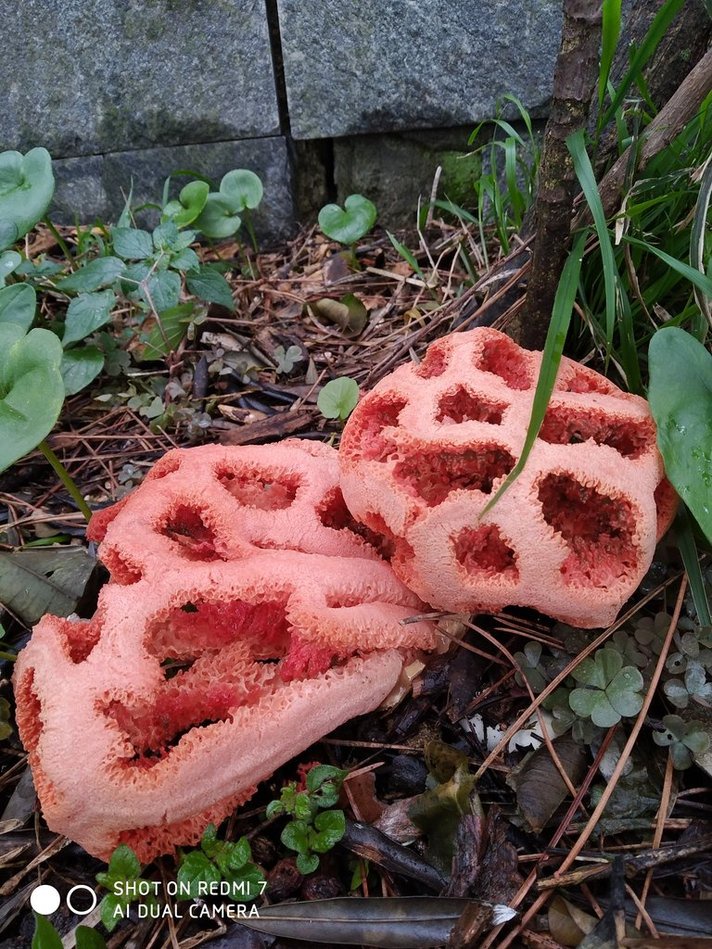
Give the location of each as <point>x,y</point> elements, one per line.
<point>503,358</point>
<point>598,530</point>
<point>566,425</point>
<point>583,381</point>
<point>185,526</point>
<point>434,362</point>
<point>377,414</point>
<point>259,489</point>
<point>483,552</point>
<point>461,405</point>
<point>433,475</point>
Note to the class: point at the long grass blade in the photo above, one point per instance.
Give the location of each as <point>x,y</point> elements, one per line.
<point>642,54</point>
<point>584,171</point>
<point>697,279</point>
<point>610,29</point>
<point>551,359</point>
<point>697,236</point>
<point>691,560</point>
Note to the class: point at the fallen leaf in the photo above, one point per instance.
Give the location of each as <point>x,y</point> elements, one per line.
<point>49,580</point>
<point>539,787</point>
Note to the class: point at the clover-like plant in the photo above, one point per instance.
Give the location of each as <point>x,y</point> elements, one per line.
<point>609,690</point>
<point>349,224</point>
<point>315,826</point>
<point>217,860</point>
<point>26,189</point>
<point>338,398</point>
<point>685,740</point>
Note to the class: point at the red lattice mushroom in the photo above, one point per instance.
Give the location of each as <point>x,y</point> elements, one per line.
<point>426,449</point>
<point>204,671</point>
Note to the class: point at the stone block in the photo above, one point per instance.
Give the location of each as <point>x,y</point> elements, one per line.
<point>96,187</point>
<point>93,76</point>
<point>385,65</point>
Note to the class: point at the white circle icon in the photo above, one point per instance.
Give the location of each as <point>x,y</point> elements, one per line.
<point>45,899</point>
<point>77,889</point>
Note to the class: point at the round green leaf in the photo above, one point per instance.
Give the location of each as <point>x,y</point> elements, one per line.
<point>583,701</point>
<point>680,394</point>
<point>190,203</point>
<point>681,756</point>
<point>348,224</point>
<point>31,390</point>
<point>218,218</point>
<point>9,261</point>
<point>295,835</point>
<point>338,398</point>
<point>242,189</point>
<point>697,741</point>
<point>18,304</point>
<point>590,672</point>
<point>307,863</point>
<point>26,189</point>
<point>677,693</point>
<point>603,714</point>
<point>610,662</point>
<point>80,366</point>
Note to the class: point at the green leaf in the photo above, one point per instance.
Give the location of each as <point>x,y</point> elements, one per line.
<point>242,188</point>
<point>98,273</point>
<point>124,864</point>
<point>18,304</point>
<point>338,398</point>
<point>45,936</point>
<point>610,662</point>
<point>610,30</point>
<point>109,911</point>
<point>190,203</point>
<point>218,218</point>
<point>295,835</point>
<point>274,809</point>
<point>350,223</point>
<point>87,938</point>
<point>551,359</point>
<point>45,580</point>
<point>583,701</point>
<point>26,189</point>
<point>590,673</point>
<point>406,254</point>
<point>330,827</point>
<point>185,260</point>
<point>9,261</point>
<point>307,863</point>
<point>86,313</point>
<point>130,243</point>
<point>196,868</point>
<point>79,367</point>
<point>211,286</point>
<point>31,389</point>
<point>162,290</point>
<point>680,395</point>
<point>603,714</point>
<point>231,857</point>
<point>165,337</point>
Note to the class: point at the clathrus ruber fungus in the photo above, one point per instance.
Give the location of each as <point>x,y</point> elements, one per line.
<point>244,620</point>
<point>427,448</point>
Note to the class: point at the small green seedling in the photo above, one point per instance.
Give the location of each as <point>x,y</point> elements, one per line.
<point>240,191</point>
<point>123,880</point>
<point>338,398</point>
<point>610,691</point>
<point>201,870</point>
<point>685,740</point>
<point>315,827</point>
<point>349,224</point>
<point>287,359</point>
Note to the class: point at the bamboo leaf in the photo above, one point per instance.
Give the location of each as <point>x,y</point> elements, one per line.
<point>415,922</point>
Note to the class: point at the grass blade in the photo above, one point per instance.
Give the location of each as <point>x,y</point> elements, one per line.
<point>691,560</point>
<point>584,171</point>
<point>697,279</point>
<point>642,54</point>
<point>697,235</point>
<point>407,256</point>
<point>611,28</point>
<point>551,359</point>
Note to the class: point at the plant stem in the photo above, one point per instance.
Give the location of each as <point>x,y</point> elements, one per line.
<point>65,478</point>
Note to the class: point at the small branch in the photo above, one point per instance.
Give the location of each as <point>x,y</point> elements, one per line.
<point>65,478</point>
